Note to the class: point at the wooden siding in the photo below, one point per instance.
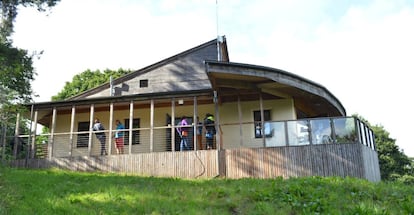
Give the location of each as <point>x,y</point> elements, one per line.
<point>353,160</point>
<point>189,164</point>
<point>184,72</point>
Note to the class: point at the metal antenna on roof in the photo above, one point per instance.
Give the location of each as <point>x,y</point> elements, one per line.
<point>218,36</point>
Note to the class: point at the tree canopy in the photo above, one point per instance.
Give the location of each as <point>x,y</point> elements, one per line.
<point>393,162</point>
<point>9,11</point>
<point>16,64</point>
<point>16,72</point>
<point>16,67</point>
<point>87,80</point>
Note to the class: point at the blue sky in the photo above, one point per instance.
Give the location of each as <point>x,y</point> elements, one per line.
<point>361,51</point>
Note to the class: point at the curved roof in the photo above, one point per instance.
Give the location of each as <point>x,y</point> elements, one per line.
<point>310,98</point>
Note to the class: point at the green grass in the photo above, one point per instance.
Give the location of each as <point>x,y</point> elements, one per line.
<point>55,191</point>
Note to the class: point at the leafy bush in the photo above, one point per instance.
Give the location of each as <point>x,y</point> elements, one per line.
<point>407,179</point>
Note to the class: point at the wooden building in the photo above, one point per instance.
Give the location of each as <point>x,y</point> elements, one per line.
<point>268,123</point>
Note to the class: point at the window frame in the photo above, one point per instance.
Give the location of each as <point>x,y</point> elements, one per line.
<point>136,123</point>
<point>83,138</point>
<point>257,122</point>
<point>143,83</point>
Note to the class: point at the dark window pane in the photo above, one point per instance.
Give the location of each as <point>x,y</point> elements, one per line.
<point>143,83</point>
<point>135,133</point>
<point>258,124</point>
<point>83,138</point>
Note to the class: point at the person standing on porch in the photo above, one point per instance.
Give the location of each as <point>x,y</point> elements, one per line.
<point>199,134</point>
<point>183,132</point>
<point>98,127</point>
<point>210,130</point>
<point>119,137</point>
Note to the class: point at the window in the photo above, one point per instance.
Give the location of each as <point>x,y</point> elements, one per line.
<point>143,83</point>
<point>83,138</point>
<point>321,131</point>
<point>258,124</point>
<point>135,133</point>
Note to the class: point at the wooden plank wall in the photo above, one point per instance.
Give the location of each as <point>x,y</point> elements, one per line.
<point>188,164</point>
<point>354,160</point>
<point>371,162</point>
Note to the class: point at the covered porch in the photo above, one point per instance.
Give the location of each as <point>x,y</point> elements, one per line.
<point>243,146</point>
<point>268,123</point>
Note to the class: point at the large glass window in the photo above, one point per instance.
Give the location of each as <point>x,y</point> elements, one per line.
<point>321,131</point>
<point>83,138</point>
<point>278,131</point>
<point>345,131</point>
<point>258,124</point>
<point>298,132</point>
<point>135,131</point>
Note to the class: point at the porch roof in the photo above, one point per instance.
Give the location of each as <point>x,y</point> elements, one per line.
<point>45,109</point>
<point>310,98</point>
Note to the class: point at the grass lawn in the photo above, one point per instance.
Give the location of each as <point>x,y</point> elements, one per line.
<point>55,191</point>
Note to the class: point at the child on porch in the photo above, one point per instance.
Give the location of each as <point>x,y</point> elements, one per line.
<point>119,137</point>
<point>210,130</point>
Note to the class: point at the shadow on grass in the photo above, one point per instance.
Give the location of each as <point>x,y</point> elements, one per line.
<point>63,192</point>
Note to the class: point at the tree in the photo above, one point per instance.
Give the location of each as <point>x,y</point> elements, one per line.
<point>16,65</point>
<point>9,11</point>
<point>393,162</point>
<point>16,73</point>
<point>87,80</point>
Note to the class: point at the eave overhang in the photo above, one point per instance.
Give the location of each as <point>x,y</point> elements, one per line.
<point>45,109</point>
<point>309,97</point>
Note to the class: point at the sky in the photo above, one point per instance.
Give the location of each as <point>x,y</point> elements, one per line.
<point>362,51</point>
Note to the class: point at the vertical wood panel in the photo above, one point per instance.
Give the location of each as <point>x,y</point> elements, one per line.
<point>91,122</point>
<point>72,127</point>
<point>353,160</point>
<point>52,134</point>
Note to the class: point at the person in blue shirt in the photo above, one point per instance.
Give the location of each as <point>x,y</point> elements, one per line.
<point>119,137</point>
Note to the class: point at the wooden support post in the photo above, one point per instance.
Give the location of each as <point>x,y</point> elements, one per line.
<point>217,122</point>
<point>111,120</point>
<point>195,122</point>
<point>239,110</point>
<point>33,143</point>
<point>285,123</point>
<point>91,122</point>
<point>131,119</point>
<point>30,137</point>
<point>262,119</point>
<point>72,127</point>
<point>152,126</point>
<point>50,145</point>
<point>173,124</point>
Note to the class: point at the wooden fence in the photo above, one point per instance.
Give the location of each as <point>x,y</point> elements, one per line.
<point>354,160</point>
<point>187,164</point>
